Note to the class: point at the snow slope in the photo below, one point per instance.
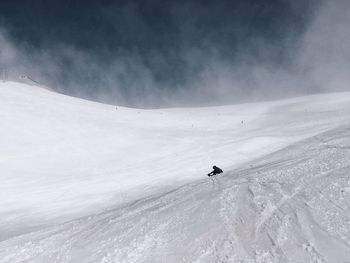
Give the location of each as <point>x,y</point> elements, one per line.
<point>63,157</point>
<point>291,206</point>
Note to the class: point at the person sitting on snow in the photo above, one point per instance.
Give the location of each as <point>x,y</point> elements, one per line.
<point>216,170</point>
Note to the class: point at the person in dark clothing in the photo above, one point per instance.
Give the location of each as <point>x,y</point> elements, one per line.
<point>216,170</point>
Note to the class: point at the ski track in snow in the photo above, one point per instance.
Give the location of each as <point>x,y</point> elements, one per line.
<point>289,206</point>
<point>292,205</point>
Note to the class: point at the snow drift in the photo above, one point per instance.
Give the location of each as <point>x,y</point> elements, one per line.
<point>284,195</point>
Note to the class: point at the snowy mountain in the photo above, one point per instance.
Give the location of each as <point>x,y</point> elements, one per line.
<point>88,182</point>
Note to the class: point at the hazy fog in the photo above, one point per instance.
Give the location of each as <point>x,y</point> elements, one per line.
<point>188,53</point>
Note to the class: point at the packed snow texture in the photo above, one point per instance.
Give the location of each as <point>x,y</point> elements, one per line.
<point>88,182</point>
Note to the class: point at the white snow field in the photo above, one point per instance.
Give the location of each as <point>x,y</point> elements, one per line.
<point>86,182</point>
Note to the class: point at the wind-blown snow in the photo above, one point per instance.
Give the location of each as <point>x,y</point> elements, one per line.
<point>284,194</point>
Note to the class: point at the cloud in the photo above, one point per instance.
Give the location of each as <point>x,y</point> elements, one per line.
<point>202,61</point>
<point>317,61</point>
<point>324,56</point>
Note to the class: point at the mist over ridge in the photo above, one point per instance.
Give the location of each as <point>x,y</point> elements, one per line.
<point>183,53</point>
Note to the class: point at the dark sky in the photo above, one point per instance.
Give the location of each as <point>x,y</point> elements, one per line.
<point>150,53</point>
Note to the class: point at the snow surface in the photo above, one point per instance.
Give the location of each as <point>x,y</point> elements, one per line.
<point>88,182</point>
